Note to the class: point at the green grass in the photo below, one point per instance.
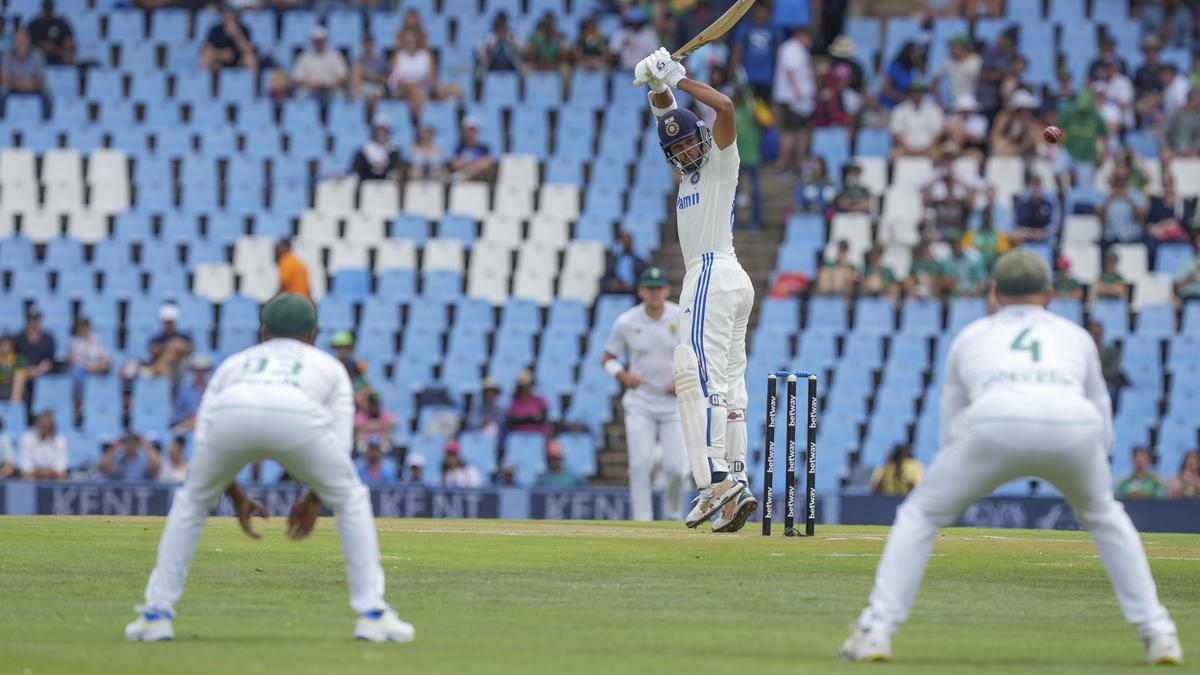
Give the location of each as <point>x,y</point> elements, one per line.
<point>539,597</point>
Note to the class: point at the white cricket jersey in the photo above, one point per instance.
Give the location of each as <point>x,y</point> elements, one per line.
<point>650,345</point>
<point>1027,352</point>
<point>704,208</point>
<point>285,374</point>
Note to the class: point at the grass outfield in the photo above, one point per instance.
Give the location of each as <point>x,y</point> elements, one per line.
<point>550,597</point>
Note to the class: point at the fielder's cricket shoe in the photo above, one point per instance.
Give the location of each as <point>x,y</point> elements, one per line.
<point>152,625</point>
<point>711,499</point>
<point>866,645</point>
<point>1164,650</point>
<point>735,514</point>
<point>383,626</point>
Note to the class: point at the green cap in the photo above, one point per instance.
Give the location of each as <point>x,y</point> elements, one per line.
<point>954,234</point>
<point>1020,272</point>
<point>288,315</point>
<point>1111,254</point>
<point>341,339</point>
<point>653,277</point>
<point>961,41</point>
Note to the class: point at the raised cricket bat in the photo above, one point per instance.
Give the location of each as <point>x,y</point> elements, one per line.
<point>716,30</point>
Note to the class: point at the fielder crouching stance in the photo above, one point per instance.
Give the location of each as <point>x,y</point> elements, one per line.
<point>710,362</point>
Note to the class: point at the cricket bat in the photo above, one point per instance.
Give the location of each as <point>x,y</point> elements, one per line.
<point>716,30</point>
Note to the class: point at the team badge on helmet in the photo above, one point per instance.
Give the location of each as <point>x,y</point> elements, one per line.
<point>676,127</point>
<point>671,127</point>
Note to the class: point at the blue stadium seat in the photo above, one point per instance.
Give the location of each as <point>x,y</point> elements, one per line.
<point>873,316</point>
<point>351,284</point>
<point>921,317</point>
<point>400,285</point>
<point>1114,316</point>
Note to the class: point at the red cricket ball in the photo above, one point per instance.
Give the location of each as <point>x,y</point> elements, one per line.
<point>1052,134</point>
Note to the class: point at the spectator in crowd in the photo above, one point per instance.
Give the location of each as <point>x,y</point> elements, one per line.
<point>1180,133</point>
<point>320,72</point>
<point>967,129</point>
<point>925,273</point>
<point>1143,483</point>
<point>1083,144</point>
<point>369,73</point>
<point>1123,211</point>
<point>993,67</point>
<point>1187,280</point>
<point>836,275</point>
<point>455,472</point>
<point>1110,360</point>
<point>374,422</point>
<point>506,475</point>
<point>342,343</point>
<point>842,50</point>
<point>877,280</point>
<point>416,469</point>
<point>591,49</point>
<point>899,475</point>
<point>1148,77</point>
<point>228,44</point>
<point>965,274</point>
<point>174,469</point>
<point>547,46</point>
<point>426,159</point>
<point>378,158</point>
<point>8,454</point>
<point>1167,215</point>
<point>131,458</point>
<point>86,356</point>
<point>556,474</point>
<point>947,198</point>
<point>1064,89</point>
<point>961,69</point>
<point>749,143</point>
<point>834,102</point>
<point>905,69</point>
<point>43,451</point>
<point>487,415</point>
<point>754,49</point>
<point>13,372</point>
<point>1108,50</point>
<point>1118,89</point>
<point>1038,216</point>
<point>23,72</point>
<point>473,158</point>
<point>986,240</point>
<point>623,267</point>
<point>527,410</point>
<point>413,75</point>
<point>293,275</point>
<point>187,397</point>
<point>375,468</point>
<point>1139,175</point>
<point>1186,483</point>
<point>1176,87</point>
<point>635,39</point>
<point>1015,131</point>
<point>500,50</point>
<point>916,123</point>
<point>168,350</point>
<point>53,36</point>
<point>815,192</point>
<point>1111,285</point>
<point>793,93</point>
<point>1065,285</point>
<point>412,22</point>
<point>35,346</point>
<point>854,197</point>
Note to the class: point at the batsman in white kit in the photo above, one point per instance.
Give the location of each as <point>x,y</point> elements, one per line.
<point>1022,395</point>
<point>286,401</point>
<point>648,334</point>
<point>717,295</point>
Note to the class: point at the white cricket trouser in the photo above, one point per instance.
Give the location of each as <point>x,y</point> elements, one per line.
<point>717,297</point>
<point>242,428</point>
<point>643,429</point>
<point>1000,438</point>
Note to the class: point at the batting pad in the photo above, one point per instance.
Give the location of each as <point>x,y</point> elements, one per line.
<point>703,419</point>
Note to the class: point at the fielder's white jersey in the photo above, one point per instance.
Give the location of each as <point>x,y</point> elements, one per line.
<point>1022,351</point>
<point>285,373</point>
<point>704,208</point>
<point>650,344</point>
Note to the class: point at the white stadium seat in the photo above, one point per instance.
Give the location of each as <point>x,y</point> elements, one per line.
<point>899,258</point>
<point>911,172</point>
<point>348,254</point>
<point>874,174</point>
<point>63,197</point>
<point>1186,173</point>
<point>1085,261</point>
<point>443,254</point>
<point>41,226</point>
<point>252,253</point>
<point>425,198</point>
<point>514,202</point>
<point>396,254</point>
<point>317,227</point>
<point>471,199</point>
<point>20,195</point>
<point>107,167</point>
<point>62,166</point>
<point>560,201</point>
<point>363,228</point>
<point>549,230</point>
<point>538,255</point>
<point>489,272</point>
<point>518,171</point>
<point>1006,175</point>
<point>502,230</point>
<point>8,226</point>
<point>1133,261</point>
<point>533,284</point>
<point>260,283</point>
<point>583,267</point>
<point>213,281</point>
<point>1153,289</point>
<point>967,167</point>
<point>335,196</point>
<point>379,198</point>
<point>1081,229</point>
<point>87,226</point>
<point>902,210</point>
<point>17,164</point>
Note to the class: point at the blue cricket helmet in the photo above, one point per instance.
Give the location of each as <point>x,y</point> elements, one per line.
<point>680,125</point>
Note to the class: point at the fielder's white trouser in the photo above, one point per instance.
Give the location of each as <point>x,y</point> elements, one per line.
<point>710,362</point>
<point>643,430</point>
<point>295,433</point>
<point>1003,437</point>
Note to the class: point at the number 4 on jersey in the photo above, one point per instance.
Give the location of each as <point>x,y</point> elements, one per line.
<point>1032,346</point>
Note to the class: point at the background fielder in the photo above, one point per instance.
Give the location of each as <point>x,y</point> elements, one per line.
<point>648,333</point>
<point>1022,396</point>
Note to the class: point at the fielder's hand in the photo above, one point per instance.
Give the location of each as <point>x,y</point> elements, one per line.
<point>303,517</point>
<point>246,507</point>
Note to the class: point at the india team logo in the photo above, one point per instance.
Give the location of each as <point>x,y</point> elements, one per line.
<point>672,127</point>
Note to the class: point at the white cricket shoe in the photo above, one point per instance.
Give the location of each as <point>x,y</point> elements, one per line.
<point>735,514</point>
<point>383,626</point>
<point>711,499</point>
<point>866,645</point>
<point>1164,650</point>
<point>151,626</point>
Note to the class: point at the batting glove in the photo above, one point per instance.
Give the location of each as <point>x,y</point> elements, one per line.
<point>643,73</point>
<point>667,70</point>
